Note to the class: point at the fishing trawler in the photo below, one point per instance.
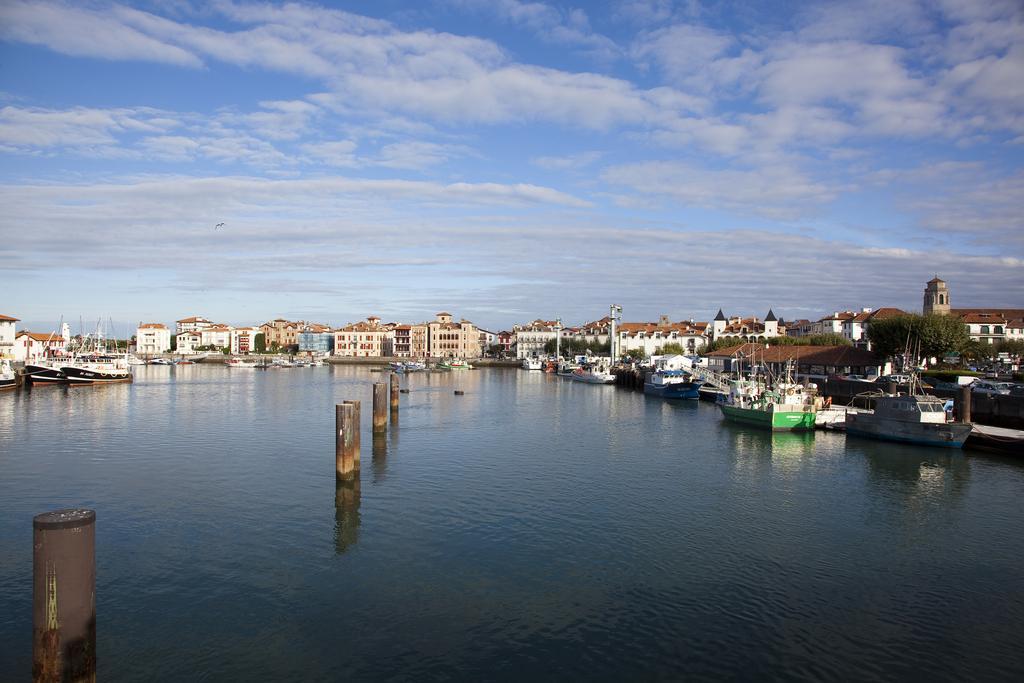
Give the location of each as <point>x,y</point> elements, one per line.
<point>673,384</point>
<point>908,418</point>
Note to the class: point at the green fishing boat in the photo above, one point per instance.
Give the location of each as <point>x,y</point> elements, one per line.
<point>784,406</point>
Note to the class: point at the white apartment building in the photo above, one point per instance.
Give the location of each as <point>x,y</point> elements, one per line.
<point>7,336</point>
<point>533,337</point>
<point>152,338</point>
<point>649,337</point>
<point>192,324</point>
<point>188,342</point>
<point>243,340</point>
<point>218,336</point>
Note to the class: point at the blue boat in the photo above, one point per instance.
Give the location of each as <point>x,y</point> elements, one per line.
<point>672,384</point>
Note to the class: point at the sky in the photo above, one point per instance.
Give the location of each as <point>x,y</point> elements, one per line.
<point>506,160</point>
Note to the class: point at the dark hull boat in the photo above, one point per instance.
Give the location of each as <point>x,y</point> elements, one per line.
<point>90,374</point>
<point>44,374</point>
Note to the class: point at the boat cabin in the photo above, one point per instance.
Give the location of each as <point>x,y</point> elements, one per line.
<point>911,408</point>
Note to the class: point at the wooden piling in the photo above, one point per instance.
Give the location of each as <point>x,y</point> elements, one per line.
<point>892,388</point>
<point>380,407</point>
<point>64,596</point>
<point>964,409</point>
<point>357,421</point>
<point>394,394</point>
<point>345,432</point>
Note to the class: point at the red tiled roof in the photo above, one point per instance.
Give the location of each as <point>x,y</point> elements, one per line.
<point>153,326</point>
<point>38,336</point>
<point>193,319</point>
<point>8,318</point>
<point>807,355</point>
<point>1007,313</point>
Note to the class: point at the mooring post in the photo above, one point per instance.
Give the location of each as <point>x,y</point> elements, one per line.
<point>345,432</point>
<point>356,429</point>
<point>380,406</point>
<point>892,388</point>
<point>394,394</point>
<point>64,596</point>
<point>965,404</point>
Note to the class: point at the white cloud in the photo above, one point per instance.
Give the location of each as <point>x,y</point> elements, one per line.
<point>571,161</point>
<point>775,192</point>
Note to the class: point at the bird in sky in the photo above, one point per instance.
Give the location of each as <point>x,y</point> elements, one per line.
<point>218,226</point>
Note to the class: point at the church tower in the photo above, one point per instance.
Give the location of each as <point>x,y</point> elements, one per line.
<point>718,325</point>
<point>936,297</point>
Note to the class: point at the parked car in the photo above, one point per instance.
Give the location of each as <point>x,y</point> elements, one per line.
<point>1017,390</point>
<point>857,378</point>
<point>991,374</point>
<point>899,379</point>
<point>986,387</point>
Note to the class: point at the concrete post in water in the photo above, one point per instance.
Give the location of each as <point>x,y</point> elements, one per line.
<point>380,407</point>
<point>357,422</point>
<point>394,394</point>
<point>964,411</point>
<point>64,596</point>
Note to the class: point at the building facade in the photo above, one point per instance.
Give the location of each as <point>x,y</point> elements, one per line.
<point>746,329</point>
<point>648,338</point>
<point>30,347</point>
<point>449,339</point>
<point>152,338</point>
<point>188,342</point>
<point>191,324</point>
<point>217,337</point>
<point>361,340</point>
<point>7,333</point>
<point>532,337</point>
<point>243,340</point>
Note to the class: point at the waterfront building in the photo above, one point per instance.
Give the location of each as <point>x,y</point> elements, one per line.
<point>811,363</point>
<point>532,337</point>
<point>188,342</point>
<point>449,339</point>
<point>192,324</point>
<point>650,337</point>
<point>243,340</point>
<point>985,325</point>
<point>419,341</point>
<point>506,340</point>
<point>152,338</point>
<point>30,347</point>
<point>217,336</point>
<point>746,329</point>
<point>361,340</point>
<point>316,338</point>
<point>7,332</point>
<point>281,334</point>
<point>487,340</point>
<point>401,344</point>
<point>856,328</point>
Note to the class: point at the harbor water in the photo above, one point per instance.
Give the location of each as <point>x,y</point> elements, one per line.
<point>532,528</point>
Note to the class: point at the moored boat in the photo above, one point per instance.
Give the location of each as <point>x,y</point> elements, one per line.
<point>593,374</point>
<point>97,369</point>
<point>532,364</point>
<point>784,406</point>
<point>673,384</point>
<point>916,419</point>
<point>8,379</point>
<point>44,372</point>
<point>241,363</point>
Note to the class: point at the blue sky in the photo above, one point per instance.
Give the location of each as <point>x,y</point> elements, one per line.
<point>505,159</point>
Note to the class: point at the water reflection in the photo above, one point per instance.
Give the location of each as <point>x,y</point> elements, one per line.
<point>380,456</point>
<point>916,471</point>
<point>346,514</point>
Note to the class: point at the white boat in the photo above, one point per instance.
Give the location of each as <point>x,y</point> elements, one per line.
<point>135,360</point>
<point>533,364</point>
<point>567,368</point>
<point>594,374</point>
<point>240,363</point>
<point>8,380</point>
<point>158,361</point>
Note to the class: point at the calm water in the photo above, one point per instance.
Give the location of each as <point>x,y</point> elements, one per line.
<point>532,528</point>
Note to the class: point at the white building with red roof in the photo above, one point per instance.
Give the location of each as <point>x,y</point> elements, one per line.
<point>152,338</point>
<point>30,347</point>
<point>7,336</point>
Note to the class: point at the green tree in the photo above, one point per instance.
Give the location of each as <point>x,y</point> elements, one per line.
<point>932,335</point>
<point>174,343</point>
<point>261,343</point>
<point>635,354</point>
<point>1014,347</point>
<point>670,348</point>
